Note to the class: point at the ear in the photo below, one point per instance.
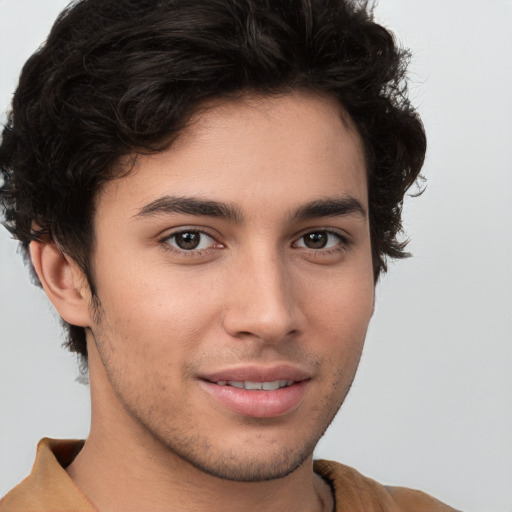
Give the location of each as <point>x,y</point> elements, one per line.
<point>63,281</point>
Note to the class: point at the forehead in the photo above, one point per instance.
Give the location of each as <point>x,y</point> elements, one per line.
<point>287,149</point>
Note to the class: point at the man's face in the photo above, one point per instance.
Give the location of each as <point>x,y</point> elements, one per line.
<point>239,258</point>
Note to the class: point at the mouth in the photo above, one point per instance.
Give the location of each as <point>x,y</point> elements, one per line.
<point>258,392</point>
<point>256,386</point>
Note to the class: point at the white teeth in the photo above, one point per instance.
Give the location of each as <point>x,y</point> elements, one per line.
<point>236,384</point>
<point>253,385</point>
<point>261,386</point>
<point>270,386</point>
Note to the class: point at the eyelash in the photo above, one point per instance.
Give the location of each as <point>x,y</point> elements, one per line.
<point>164,242</point>
<point>342,246</point>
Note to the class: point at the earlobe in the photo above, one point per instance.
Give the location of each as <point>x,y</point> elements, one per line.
<point>64,283</point>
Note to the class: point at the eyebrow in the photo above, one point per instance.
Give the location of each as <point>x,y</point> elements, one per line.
<point>190,206</point>
<point>330,207</point>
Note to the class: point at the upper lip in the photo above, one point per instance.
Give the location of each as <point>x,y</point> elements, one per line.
<point>258,373</point>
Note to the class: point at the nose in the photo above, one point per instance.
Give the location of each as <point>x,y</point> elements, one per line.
<point>264,301</point>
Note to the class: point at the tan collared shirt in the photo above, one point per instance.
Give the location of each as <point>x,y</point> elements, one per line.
<point>50,489</point>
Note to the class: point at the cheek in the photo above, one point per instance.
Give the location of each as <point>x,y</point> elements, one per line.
<point>343,301</point>
<point>340,317</point>
<point>157,308</point>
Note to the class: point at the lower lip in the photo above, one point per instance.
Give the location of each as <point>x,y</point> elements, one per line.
<point>258,404</point>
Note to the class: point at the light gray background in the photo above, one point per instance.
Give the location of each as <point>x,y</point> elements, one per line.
<point>431,407</point>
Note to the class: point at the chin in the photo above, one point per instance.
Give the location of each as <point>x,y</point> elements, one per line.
<point>236,468</point>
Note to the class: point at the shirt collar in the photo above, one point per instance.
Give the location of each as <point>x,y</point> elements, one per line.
<point>49,487</point>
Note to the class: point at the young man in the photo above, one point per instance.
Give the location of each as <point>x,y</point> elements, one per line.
<point>208,191</point>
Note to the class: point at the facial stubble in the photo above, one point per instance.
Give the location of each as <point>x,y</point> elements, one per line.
<point>195,448</point>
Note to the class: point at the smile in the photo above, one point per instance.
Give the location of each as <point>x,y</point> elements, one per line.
<point>256,386</point>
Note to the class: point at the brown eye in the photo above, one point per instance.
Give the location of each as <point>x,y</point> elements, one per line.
<point>190,241</point>
<point>320,240</point>
<point>315,240</point>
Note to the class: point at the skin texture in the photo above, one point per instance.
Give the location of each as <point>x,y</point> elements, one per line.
<point>255,294</point>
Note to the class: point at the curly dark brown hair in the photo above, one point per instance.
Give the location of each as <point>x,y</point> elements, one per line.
<point>118,76</point>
